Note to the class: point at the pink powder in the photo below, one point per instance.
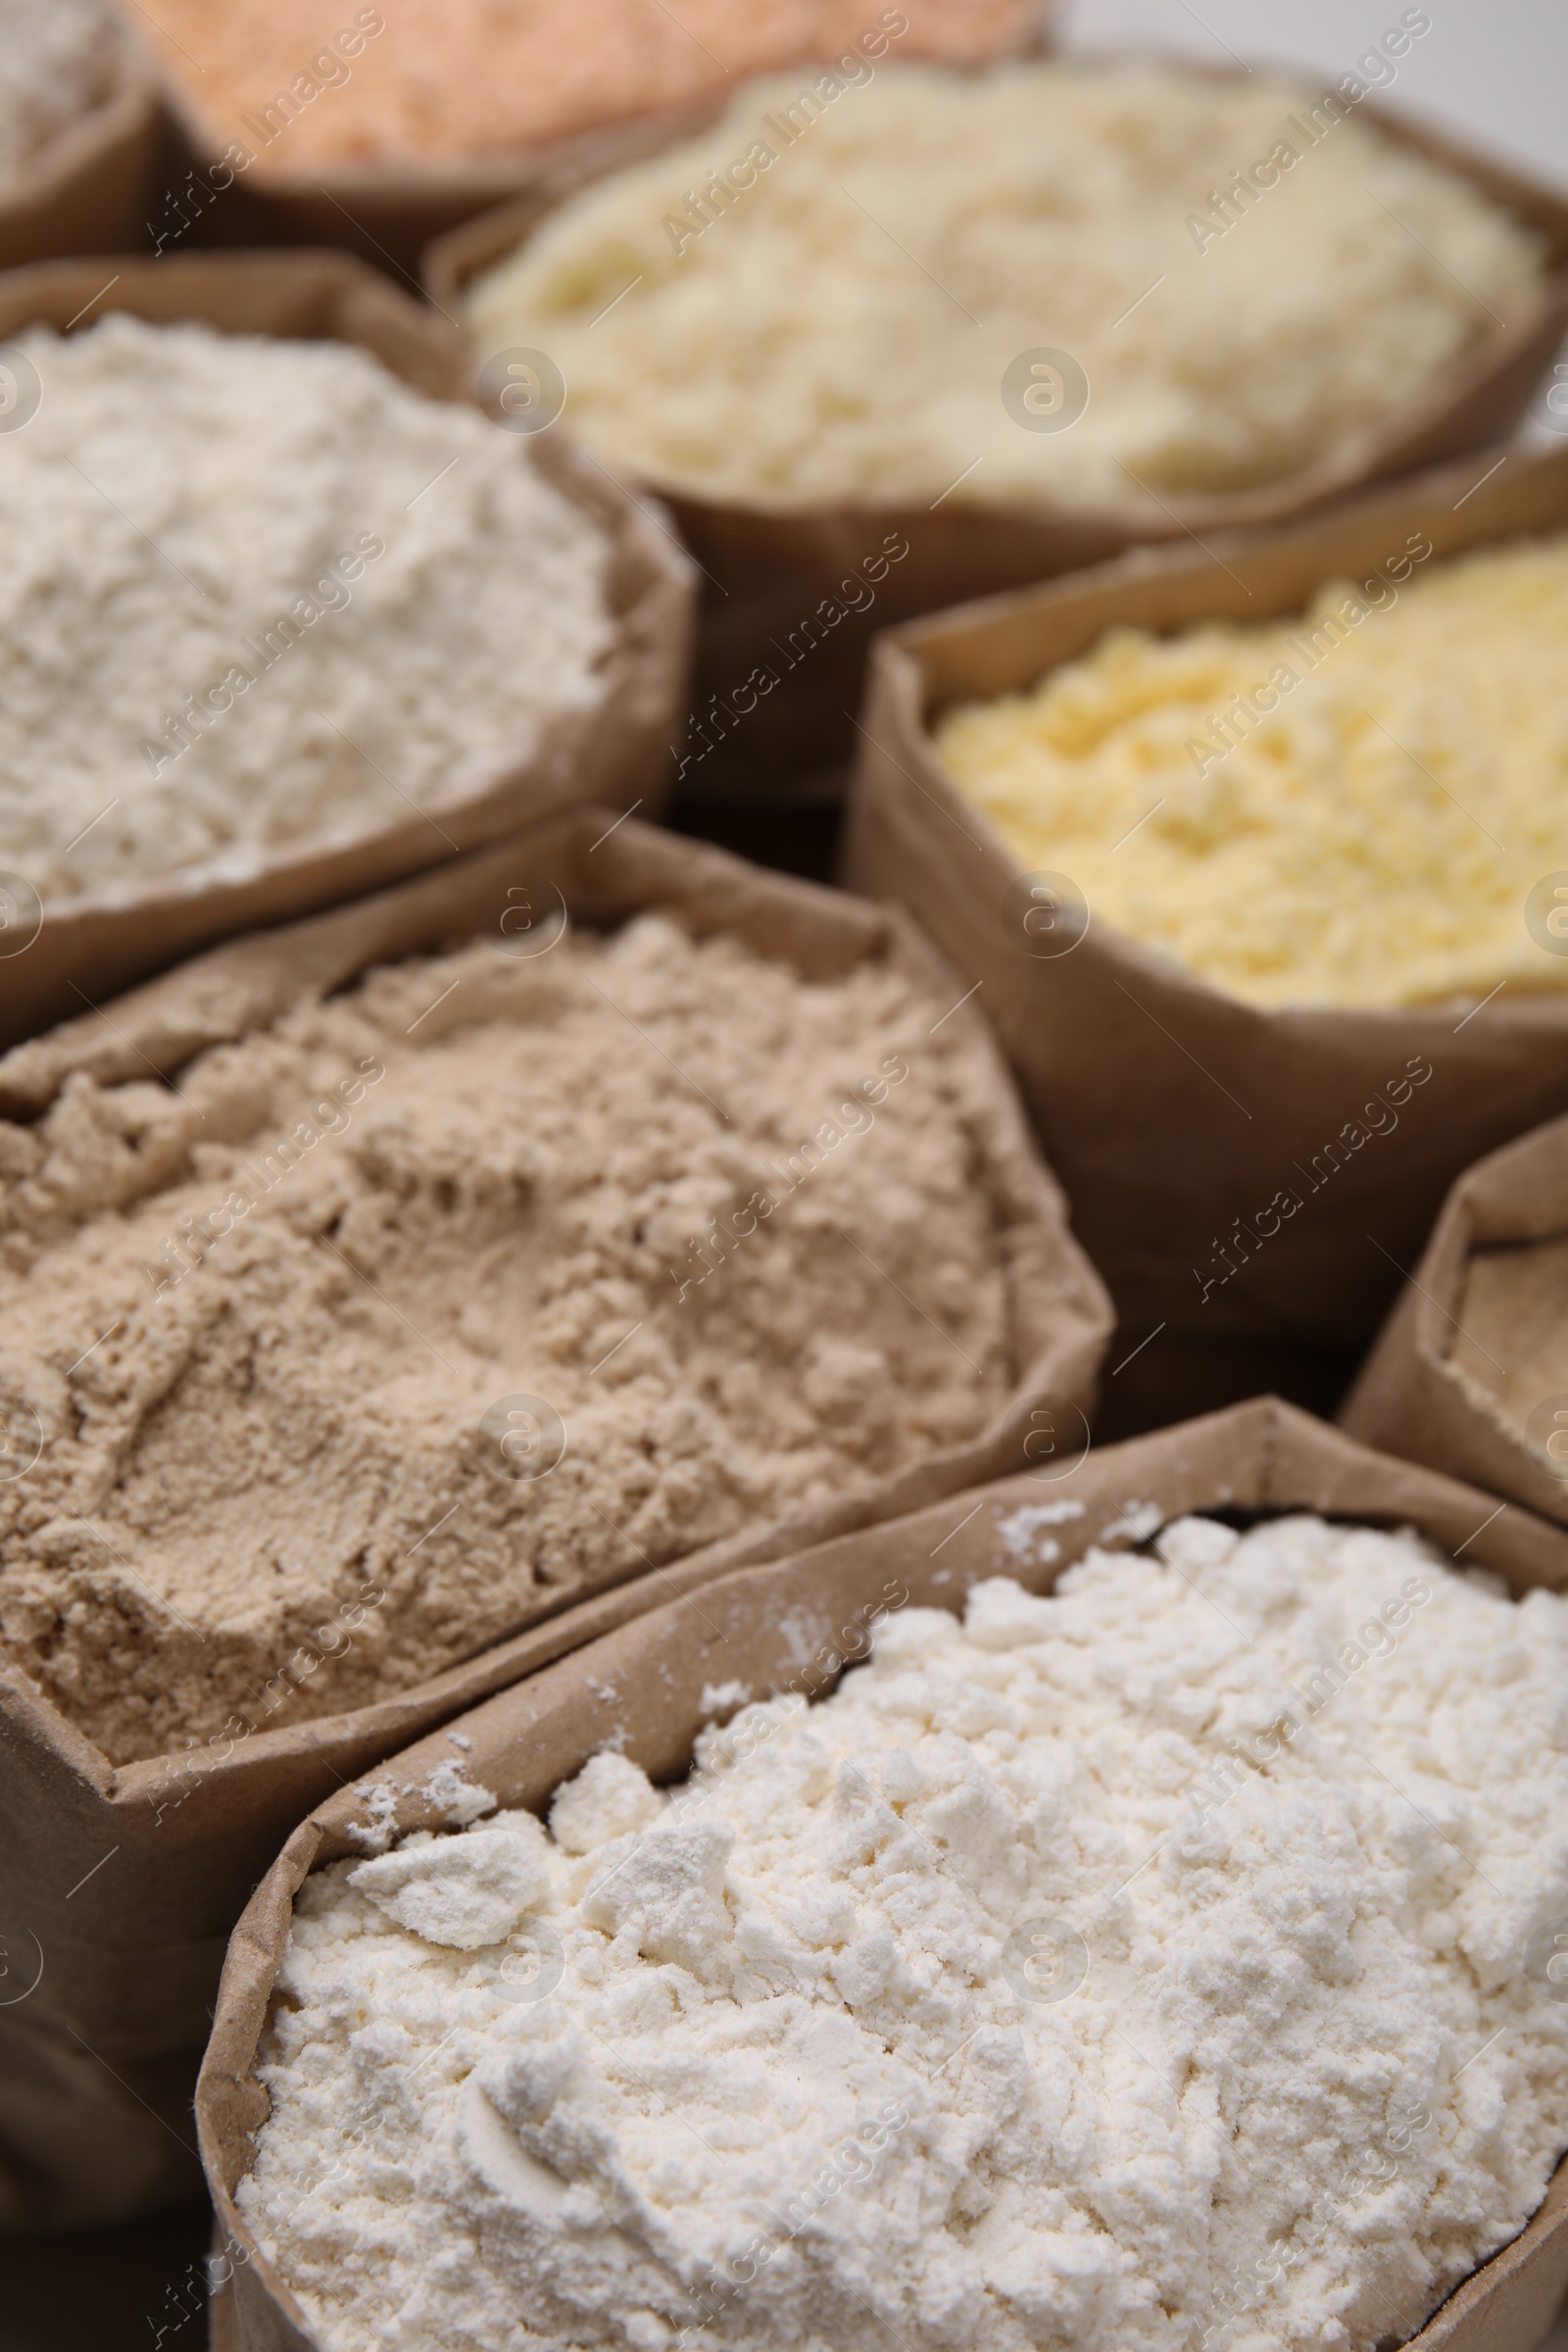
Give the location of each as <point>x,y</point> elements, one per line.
<point>433,80</point>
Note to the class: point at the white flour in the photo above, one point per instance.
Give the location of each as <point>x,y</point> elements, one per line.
<point>258,590</point>
<point>820,2070</point>
<point>58,59</point>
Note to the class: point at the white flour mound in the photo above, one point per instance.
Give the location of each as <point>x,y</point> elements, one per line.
<point>341,593</point>
<point>1156,1965</point>
<point>58,59</point>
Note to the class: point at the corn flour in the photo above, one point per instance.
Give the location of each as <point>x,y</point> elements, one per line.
<point>492,1282</point>
<point>1349,807</point>
<point>825,297</point>
<point>262,590</point>
<point>1156,1965</point>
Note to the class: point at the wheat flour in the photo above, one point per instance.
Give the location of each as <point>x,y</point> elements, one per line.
<point>58,59</point>
<point>1149,1967</point>
<point>726,1223</point>
<point>261,590</point>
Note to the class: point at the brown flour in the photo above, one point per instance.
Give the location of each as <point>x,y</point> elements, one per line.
<point>264,1492</point>
<point>1510,1350</point>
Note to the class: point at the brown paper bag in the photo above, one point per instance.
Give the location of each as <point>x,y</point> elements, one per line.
<point>767,572</point>
<point>1176,1115</point>
<point>618,751</point>
<point>121,1884</point>
<point>86,193</point>
<point>388,214</point>
<point>1409,1399</point>
<point>646,1681</point>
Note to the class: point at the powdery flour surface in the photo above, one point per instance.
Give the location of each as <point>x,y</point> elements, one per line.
<point>802,337</point>
<point>262,590</point>
<point>1310,810</point>
<point>260,1320</point>
<point>441,78</point>
<point>794,2090</point>
<point>59,60</point>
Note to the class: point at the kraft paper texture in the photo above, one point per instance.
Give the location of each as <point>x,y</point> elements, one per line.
<point>788,1624</point>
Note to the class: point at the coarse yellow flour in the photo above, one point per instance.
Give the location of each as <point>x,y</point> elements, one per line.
<point>725,1225</point>
<point>1351,805</point>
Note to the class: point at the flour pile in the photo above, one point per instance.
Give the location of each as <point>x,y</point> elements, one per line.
<point>828,295</point>
<point>731,1228</point>
<point>1350,805</point>
<point>443,78</point>
<point>58,59</point>
<point>262,590</point>
<point>1152,1966</point>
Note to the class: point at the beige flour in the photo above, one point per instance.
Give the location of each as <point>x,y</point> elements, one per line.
<point>1512,1342</point>
<point>264,1493</point>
